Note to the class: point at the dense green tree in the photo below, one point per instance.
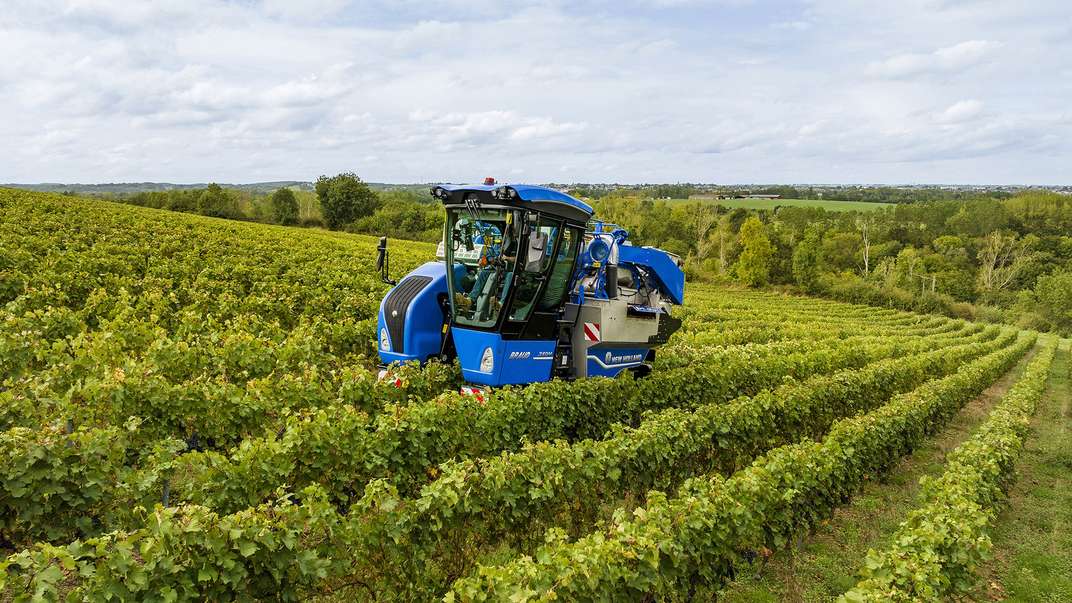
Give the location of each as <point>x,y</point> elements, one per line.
<point>284,206</point>
<point>675,246</point>
<point>806,259</point>
<point>950,246</point>
<point>1053,294</point>
<point>843,251</point>
<point>1041,212</point>
<point>980,218</point>
<point>404,218</point>
<point>1002,257</point>
<point>214,201</point>
<point>753,265</point>
<point>344,198</point>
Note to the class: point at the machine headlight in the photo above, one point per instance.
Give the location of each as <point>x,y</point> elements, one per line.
<point>599,249</point>
<point>487,361</point>
<point>505,192</point>
<point>385,343</point>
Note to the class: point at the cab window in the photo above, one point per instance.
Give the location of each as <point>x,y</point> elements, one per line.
<point>532,270</point>
<point>481,250</point>
<point>559,279</point>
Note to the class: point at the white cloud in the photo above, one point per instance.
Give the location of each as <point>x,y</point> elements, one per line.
<point>488,129</point>
<point>794,25</point>
<point>960,111</point>
<point>944,60</point>
<point>655,90</point>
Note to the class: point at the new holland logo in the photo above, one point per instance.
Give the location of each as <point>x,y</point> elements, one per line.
<point>610,359</point>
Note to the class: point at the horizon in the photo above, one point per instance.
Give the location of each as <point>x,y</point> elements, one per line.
<point>928,92</point>
<point>1043,185</point>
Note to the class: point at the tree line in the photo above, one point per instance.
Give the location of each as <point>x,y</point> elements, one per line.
<point>869,194</point>
<point>1003,259</point>
<point>995,257</point>
<point>340,202</point>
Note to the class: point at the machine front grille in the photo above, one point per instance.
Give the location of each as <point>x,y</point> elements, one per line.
<point>395,306</point>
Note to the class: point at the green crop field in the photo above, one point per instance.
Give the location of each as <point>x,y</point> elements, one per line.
<point>190,410</point>
<point>826,204</point>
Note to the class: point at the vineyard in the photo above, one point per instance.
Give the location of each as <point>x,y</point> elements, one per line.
<point>190,410</point>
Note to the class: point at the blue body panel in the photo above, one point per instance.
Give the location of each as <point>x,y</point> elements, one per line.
<point>671,279</point>
<point>528,192</point>
<point>608,362</point>
<point>423,331</point>
<point>513,361</point>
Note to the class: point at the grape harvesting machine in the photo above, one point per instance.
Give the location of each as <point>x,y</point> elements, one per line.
<point>528,287</point>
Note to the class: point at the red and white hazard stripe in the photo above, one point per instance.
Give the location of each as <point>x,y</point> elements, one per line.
<point>475,392</point>
<point>591,331</point>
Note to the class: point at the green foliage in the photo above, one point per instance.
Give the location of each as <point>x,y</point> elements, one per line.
<point>204,332</point>
<point>344,198</point>
<point>806,260</point>
<point>672,544</point>
<point>402,215</point>
<point>216,202</point>
<point>284,207</point>
<point>189,410</point>
<point>946,234</point>
<point>1053,300</point>
<point>343,450</point>
<point>54,483</point>
<point>980,218</point>
<point>754,263</point>
<point>841,251</point>
<point>543,483</point>
<point>936,550</point>
<point>1042,212</point>
<point>274,551</point>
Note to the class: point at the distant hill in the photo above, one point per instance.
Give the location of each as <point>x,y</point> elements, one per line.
<point>813,192</point>
<point>126,188</point>
<point>143,187</point>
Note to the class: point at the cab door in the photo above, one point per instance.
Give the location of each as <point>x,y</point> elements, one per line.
<point>540,295</point>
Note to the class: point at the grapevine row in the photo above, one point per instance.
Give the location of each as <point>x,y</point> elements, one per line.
<point>936,549</point>
<point>342,448</point>
<point>415,545</point>
<point>697,537</point>
<point>343,453</point>
<point>284,549</point>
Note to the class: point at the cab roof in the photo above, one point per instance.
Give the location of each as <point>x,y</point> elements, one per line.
<point>526,192</point>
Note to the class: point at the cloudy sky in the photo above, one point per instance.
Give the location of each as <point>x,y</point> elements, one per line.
<point>852,91</point>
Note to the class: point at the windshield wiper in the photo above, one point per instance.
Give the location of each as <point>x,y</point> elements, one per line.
<point>472,205</point>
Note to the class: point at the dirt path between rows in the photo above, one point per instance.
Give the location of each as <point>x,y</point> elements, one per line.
<point>1032,536</point>
<point>825,563</point>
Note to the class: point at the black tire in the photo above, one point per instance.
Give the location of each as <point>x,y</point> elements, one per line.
<point>641,371</point>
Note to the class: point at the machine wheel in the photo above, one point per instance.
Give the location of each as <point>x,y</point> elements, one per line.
<point>641,371</point>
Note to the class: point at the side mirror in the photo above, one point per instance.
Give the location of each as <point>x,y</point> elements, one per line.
<point>381,253</point>
<point>537,249</point>
<point>383,261</point>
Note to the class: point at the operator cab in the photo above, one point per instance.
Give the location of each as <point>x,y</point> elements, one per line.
<point>501,260</point>
<point>510,253</point>
<point>511,259</point>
